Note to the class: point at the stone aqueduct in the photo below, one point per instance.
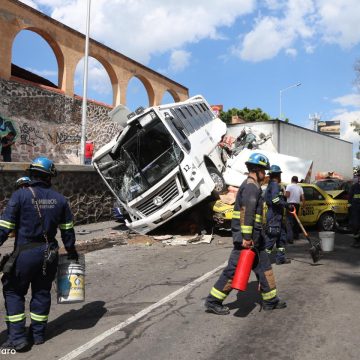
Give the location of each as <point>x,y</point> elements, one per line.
<point>68,47</point>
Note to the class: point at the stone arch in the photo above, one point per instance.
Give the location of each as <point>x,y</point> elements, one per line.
<point>109,71</point>
<point>173,94</point>
<point>148,87</point>
<point>59,56</point>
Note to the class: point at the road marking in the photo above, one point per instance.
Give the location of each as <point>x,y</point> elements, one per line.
<point>73,354</point>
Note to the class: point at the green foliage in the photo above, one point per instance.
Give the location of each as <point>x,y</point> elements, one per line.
<point>356,126</point>
<point>248,115</point>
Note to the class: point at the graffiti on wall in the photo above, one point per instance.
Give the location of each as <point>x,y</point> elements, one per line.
<point>64,138</point>
<point>29,135</point>
<point>6,126</point>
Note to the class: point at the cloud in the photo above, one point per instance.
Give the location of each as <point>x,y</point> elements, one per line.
<point>98,78</point>
<point>45,73</point>
<point>348,100</point>
<point>30,3</point>
<point>347,131</point>
<point>311,21</point>
<point>291,52</point>
<point>271,34</point>
<point>339,21</point>
<point>179,60</point>
<point>140,29</point>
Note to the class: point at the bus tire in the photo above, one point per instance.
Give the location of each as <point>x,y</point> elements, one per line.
<point>326,222</point>
<point>217,178</point>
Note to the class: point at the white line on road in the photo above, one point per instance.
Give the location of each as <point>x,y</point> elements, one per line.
<point>73,354</point>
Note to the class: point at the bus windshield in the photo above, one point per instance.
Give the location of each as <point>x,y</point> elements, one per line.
<point>146,156</point>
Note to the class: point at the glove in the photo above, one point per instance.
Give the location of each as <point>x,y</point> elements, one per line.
<point>73,255</point>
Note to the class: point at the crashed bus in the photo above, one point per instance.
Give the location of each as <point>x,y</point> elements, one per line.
<point>165,160</point>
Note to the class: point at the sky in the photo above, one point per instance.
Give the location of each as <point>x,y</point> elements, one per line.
<point>238,53</point>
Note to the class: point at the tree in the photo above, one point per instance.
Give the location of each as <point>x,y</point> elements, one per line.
<point>356,126</point>
<point>248,115</point>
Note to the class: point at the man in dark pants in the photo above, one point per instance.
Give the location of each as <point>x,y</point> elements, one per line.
<point>275,217</point>
<point>247,233</point>
<point>354,209</point>
<point>294,194</point>
<point>34,213</point>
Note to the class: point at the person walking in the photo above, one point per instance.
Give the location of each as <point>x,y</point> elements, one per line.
<point>275,219</point>
<point>294,194</point>
<point>354,210</point>
<point>34,213</point>
<point>247,233</point>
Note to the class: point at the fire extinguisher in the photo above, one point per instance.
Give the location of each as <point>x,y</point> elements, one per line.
<point>243,269</point>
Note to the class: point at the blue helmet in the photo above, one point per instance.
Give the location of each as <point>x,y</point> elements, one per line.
<point>43,165</point>
<point>23,181</point>
<point>258,160</point>
<point>275,169</point>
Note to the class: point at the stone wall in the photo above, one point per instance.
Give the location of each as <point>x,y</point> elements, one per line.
<point>49,123</point>
<point>89,198</point>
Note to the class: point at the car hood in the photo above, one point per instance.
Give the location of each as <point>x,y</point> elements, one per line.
<point>334,193</point>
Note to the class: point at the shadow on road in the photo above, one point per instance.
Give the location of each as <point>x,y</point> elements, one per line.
<point>246,301</point>
<point>84,318</point>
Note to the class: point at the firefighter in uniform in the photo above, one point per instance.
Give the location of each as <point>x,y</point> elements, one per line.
<point>275,216</point>
<point>34,213</point>
<point>247,232</point>
<point>354,209</point>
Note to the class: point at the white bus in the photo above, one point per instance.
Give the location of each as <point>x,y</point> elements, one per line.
<point>165,161</point>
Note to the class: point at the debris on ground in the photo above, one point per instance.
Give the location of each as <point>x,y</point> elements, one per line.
<point>181,240</point>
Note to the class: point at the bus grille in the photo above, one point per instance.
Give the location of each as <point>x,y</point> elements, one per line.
<point>167,193</point>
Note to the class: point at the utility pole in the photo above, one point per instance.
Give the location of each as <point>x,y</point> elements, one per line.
<point>281,91</point>
<point>315,118</point>
<point>84,101</point>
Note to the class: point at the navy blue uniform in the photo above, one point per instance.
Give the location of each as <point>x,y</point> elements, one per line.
<point>354,202</point>
<point>247,224</point>
<point>22,216</point>
<point>275,222</point>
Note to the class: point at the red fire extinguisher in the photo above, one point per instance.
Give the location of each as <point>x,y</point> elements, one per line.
<point>243,269</point>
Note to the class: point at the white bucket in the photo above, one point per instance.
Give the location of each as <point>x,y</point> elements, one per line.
<point>327,240</point>
<point>70,280</point>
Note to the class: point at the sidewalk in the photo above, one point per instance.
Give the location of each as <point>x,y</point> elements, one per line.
<point>89,237</point>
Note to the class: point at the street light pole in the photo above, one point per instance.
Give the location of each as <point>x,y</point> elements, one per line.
<point>281,91</point>
<point>85,81</point>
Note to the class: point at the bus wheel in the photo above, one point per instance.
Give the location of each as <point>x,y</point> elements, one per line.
<point>220,186</point>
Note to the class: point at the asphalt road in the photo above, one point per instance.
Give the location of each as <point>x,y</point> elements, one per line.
<point>320,322</point>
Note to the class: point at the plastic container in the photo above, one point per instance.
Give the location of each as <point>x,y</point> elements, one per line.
<point>70,280</point>
<point>327,239</point>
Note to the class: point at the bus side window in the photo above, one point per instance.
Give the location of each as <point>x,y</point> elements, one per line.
<point>201,113</point>
<point>192,116</point>
<point>197,117</point>
<point>178,128</point>
<point>207,112</point>
<point>186,119</point>
<point>179,124</point>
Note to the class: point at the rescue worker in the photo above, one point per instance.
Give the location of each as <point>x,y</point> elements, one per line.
<point>354,209</point>
<point>275,217</point>
<point>24,181</point>
<point>247,233</point>
<point>34,213</point>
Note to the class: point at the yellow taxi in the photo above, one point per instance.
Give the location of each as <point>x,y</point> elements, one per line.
<point>321,208</point>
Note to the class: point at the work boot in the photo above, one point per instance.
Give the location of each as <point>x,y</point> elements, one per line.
<point>19,347</point>
<point>283,261</point>
<point>37,339</point>
<point>268,305</point>
<point>216,308</point>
